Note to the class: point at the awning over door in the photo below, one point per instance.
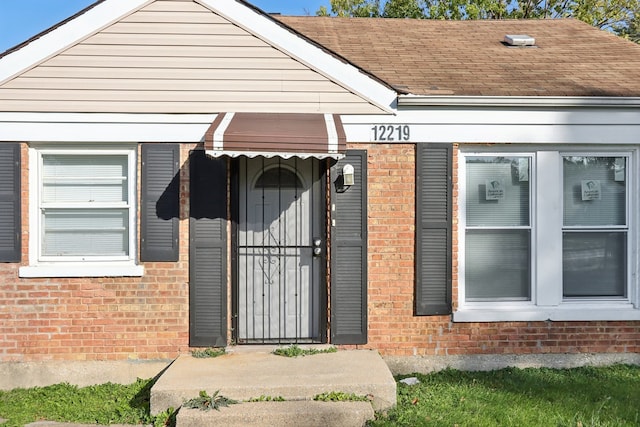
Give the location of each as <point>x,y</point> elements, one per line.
<point>276,134</point>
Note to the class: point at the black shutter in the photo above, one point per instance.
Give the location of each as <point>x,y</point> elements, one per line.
<point>160,202</point>
<point>10,244</point>
<point>349,253</point>
<point>433,229</point>
<point>208,251</point>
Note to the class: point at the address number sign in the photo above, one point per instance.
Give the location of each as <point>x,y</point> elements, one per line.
<point>390,133</point>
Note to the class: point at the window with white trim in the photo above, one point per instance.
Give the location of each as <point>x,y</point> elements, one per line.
<point>83,215</point>
<point>547,235</point>
<point>595,227</point>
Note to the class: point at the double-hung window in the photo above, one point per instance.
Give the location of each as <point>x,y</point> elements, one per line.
<point>547,235</point>
<point>595,227</point>
<point>83,221</point>
<point>498,238</point>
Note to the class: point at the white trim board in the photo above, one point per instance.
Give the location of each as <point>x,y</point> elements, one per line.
<point>79,127</point>
<point>523,124</point>
<point>466,125</point>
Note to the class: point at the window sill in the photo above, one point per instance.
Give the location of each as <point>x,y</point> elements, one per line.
<point>567,312</point>
<point>82,270</point>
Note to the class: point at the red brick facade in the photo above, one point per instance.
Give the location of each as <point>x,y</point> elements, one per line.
<point>96,318</point>
<point>148,317</point>
<point>394,330</point>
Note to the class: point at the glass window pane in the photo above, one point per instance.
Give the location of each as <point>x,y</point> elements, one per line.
<point>497,265</point>
<point>497,191</point>
<point>86,232</point>
<point>594,264</point>
<point>278,178</point>
<point>595,191</point>
<point>84,178</point>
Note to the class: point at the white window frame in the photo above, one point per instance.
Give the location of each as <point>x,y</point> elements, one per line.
<point>546,204</point>
<point>77,266</point>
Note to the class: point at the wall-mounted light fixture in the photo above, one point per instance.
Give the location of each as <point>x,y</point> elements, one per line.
<point>345,179</point>
<point>348,175</point>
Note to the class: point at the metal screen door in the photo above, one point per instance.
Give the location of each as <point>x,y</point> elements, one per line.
<point>279,228</point>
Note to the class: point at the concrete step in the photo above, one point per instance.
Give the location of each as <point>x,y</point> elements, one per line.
<point>282,414</point>
<point>243,376</point>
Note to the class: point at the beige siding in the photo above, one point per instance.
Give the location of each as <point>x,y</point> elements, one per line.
<point>175,56</point>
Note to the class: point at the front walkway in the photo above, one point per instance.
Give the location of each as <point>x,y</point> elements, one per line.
<point>251,372</point>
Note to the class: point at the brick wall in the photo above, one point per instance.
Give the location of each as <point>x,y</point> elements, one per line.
<point>96,318</point>
<point>394,330</point>
<point>148,318</point>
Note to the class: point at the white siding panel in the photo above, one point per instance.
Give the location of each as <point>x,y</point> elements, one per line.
<point>184,51</point>
<point>175,6</point>
<point>177,40</point>
<point>163,17</point>
<point>256,64</point>
<point>186,108</point>
<point>195,96</point>
<point>173,28</point>
<point>176,57</point>
<point>175,74</point>
<point>175,85</point>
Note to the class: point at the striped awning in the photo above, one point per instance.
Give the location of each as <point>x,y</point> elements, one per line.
<point>276,134</point>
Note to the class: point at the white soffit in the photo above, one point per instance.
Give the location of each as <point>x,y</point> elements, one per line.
<point>67,35</point>
<point>309,54</point>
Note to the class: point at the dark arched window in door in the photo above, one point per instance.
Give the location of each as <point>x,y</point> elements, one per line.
<point>278,177</point>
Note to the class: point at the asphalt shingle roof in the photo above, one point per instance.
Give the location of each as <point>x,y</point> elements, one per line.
<point>435,57</point>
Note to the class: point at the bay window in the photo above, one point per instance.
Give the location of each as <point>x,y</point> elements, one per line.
<point>547,235</point>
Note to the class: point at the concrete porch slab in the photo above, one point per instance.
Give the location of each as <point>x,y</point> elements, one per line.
<point>243,375</point>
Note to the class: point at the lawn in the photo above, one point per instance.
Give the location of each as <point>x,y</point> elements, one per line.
<point>578,397</point>
<point>581,397</point>
<point>100,404</point>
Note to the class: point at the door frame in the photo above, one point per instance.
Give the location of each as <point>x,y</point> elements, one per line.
<point>322,176</point>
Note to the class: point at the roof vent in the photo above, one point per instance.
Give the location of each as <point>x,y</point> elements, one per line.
<point>519,40</point>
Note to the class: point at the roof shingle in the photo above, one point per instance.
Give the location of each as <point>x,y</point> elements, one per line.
<point>435,57</point>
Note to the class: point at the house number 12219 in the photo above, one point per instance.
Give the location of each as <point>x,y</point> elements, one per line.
<point>389,133</point>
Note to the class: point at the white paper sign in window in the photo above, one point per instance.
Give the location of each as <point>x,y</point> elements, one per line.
<point>494,189</point>
<point>591,189</point>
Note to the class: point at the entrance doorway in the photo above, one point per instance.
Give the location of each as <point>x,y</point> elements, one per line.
<point>280,241</point>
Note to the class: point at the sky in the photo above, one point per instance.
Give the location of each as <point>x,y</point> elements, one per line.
<point>22,19</point>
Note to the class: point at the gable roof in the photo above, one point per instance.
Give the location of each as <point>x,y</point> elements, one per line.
<point>468,58</point>
<point>178,56</point>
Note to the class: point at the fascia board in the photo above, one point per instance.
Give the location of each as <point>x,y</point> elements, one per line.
<point>515,101</point>
<point>300,49</point>
<point>103,127</point>
<point>65,36</point>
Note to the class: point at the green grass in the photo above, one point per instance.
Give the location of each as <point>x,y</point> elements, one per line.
<point>101,404</point>
<point>581,397</point>
<point>339,396</point>
<point>578,397</point>
<point>295,351</point>
<point>208,353</point>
